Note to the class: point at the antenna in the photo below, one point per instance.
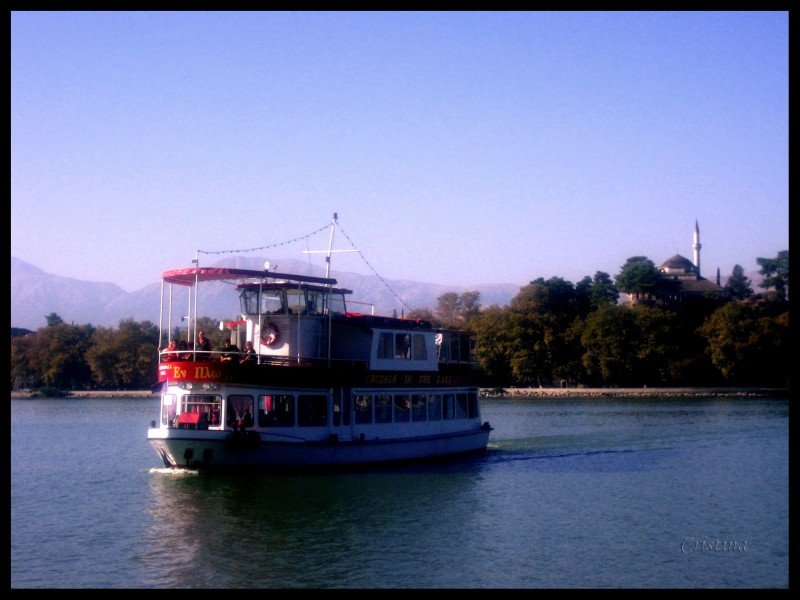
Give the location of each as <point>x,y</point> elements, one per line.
<point>330,249</point>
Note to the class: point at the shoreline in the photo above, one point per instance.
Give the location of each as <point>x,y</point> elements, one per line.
<point>511,392</point>
<point>668,392</point>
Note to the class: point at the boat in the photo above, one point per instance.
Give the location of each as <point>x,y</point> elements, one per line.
<point>322,386</point>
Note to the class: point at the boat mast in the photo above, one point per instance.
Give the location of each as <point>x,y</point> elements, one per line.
<point>330,288</point>
<point>327,276</point>
<point>330,248</point>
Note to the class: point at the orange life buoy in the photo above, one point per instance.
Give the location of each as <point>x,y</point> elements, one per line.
<point>270,334</point>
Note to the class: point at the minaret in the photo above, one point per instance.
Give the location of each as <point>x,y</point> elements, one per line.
<point>696,247</point>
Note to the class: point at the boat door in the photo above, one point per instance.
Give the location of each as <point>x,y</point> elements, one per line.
<point>341,407</point>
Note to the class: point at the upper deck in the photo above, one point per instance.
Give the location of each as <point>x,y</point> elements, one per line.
<point>303,320</point>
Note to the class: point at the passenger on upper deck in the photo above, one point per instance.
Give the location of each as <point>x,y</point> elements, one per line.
<point>202,346</point>
<point>249,354</point>
<point>231,352</point>
<point>183,351</point>
<point>169,356</point>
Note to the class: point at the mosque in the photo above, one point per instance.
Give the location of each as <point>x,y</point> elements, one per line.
<point>680,277</point>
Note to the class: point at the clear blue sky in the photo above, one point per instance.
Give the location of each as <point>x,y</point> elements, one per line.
<point>456,148</point>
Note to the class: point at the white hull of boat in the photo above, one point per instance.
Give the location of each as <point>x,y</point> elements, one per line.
<point>226,450</point>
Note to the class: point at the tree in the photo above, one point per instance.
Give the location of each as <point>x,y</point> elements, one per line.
<point>53,319</point>
<point>493,335</point>
<point>658,345</point>
<point>421,314</point>
<point>776,273</point>
<point>447,309</point>
<point>102,358</point>
<point>638,277</point>
<point>454,310</point>
<point>748,345</point>
<point>602,290</point>
<point>738,286</point>
<point>59,356</point>
<point>528,349</point>
<point>138,358</point>
<point>24,375</point>
<point>609,340</point>
<point>470,304</point>
<point>542,313</point>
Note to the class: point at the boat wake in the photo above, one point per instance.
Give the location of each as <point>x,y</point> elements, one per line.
<point>174,472</point>
<point>578,457</point>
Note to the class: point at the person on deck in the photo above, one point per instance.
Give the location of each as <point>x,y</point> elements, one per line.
<point>202,345</point>
<point>231,352</point>
<point>183,351</point>
<point>249,354</point>
<point>170,354</point>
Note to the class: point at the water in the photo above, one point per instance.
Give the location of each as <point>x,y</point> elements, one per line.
<point>570,494</point>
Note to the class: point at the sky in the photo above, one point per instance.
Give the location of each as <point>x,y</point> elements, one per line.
<point>455,148</point>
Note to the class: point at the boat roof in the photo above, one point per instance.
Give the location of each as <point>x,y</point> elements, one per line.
<point>378,321</point>
<point>191,275</point>
<point>273,285</point>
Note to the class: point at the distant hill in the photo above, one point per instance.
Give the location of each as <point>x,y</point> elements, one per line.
<point>36,293</point>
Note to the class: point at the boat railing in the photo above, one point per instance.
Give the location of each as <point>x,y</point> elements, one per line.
<point>170,356</point>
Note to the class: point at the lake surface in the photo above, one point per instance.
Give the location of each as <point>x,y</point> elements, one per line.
<point>607,493</point>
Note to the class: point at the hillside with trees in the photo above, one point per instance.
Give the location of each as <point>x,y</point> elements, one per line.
<point>553,334</point>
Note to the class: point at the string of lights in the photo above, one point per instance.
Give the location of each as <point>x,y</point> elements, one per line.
<point>306,238</point>
<point>257,248</point>
<point>366,262</point>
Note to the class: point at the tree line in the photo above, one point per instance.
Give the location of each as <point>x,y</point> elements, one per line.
<point>556,333</point>
<point>553,333</point>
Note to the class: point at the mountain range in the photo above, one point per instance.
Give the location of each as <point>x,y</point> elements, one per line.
<point>36,293</point>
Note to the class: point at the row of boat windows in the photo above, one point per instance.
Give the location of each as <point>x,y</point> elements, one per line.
<point>311,410</point>
<point>402,408</point>
<point>402,345</point>
<point>292,301</point>
<point>449,347</point>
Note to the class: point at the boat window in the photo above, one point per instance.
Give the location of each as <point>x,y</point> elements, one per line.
<point>296,301</point>
<point>168,409</point>
<point>341,408</point>
<point>420,352</point>
<point>419,409</point>
<point>434,407</point>
<point>272,302</point>
<point>276,410</point>
<point>402,408</point>
<point>449,405</point>
<point>454,346</point>
<point>472,405</point>
<point>363,408</point>
<point>337,304</point>
<point>383,408</point>
<point>385,346</point>
<point>240,410</point>
<point>207,407</point>
<point>461,405</point>
<point>312,410</point>
<point>315,304</point>
<point>249,301</point>
<point>402,345</point>
<point>464,348</point>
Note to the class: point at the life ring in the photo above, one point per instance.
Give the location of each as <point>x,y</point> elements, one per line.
<point>270,335</point>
